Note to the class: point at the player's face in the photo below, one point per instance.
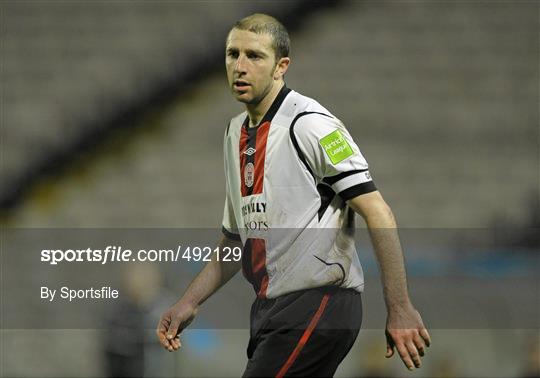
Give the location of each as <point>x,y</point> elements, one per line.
<point>251,65</point>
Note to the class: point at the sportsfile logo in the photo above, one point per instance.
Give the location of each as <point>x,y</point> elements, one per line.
<point>336,147</point>
<point>250,151</point>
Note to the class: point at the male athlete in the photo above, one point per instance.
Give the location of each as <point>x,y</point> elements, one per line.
<point>294,180</point>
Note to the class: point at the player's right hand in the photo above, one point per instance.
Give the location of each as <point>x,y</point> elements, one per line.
<point>172,323</point>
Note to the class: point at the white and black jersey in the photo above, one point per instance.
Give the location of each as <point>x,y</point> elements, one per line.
<point>287,181</point>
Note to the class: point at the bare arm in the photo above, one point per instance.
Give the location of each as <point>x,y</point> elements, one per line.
<point>404,327</point>
<point>213,276</point>
<point>384,236</point>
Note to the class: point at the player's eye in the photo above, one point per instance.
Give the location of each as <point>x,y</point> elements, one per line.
<point>232,54</point>
<point>253,56</point>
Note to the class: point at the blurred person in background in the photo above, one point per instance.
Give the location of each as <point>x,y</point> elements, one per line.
<point>126,346</point>
<point>293,169</point>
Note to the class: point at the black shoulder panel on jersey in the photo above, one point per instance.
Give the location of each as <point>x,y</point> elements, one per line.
<point>333,179</point>
<point>350,219</point>
<point>327,194</point>
<point>295,142</point>
<point>229,234</point>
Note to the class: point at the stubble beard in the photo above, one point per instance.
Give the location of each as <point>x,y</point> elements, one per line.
<point>257,99</point>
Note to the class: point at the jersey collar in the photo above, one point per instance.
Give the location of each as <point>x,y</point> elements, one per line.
<point>283,92</point>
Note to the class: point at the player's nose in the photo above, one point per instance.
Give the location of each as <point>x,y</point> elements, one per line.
<point>240,66</point>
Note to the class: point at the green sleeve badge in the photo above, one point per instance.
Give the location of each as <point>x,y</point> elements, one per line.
<point>336,147</point>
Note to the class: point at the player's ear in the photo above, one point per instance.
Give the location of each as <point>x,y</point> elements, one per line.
<point>281,67</point>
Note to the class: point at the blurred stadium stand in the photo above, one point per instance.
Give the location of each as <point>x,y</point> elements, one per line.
<point>441,98</point>
<point>113,115</point>
<point>72,71</point>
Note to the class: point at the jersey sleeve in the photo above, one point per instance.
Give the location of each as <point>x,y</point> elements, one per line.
<point>330,154</point>
<point>229,226</point>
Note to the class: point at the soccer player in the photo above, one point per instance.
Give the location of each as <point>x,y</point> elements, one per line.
<point>294,181</point>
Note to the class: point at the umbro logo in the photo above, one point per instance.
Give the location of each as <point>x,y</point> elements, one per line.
<point>250,151</point>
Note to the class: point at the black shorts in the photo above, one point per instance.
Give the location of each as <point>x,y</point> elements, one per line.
<point>305,333</point>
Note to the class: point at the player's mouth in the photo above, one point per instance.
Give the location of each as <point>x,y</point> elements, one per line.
<point>241,85</point>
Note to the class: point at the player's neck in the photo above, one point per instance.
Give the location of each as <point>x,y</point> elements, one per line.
<point>257,111</point>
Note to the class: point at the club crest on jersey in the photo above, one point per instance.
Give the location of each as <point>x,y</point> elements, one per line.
<point>250,151</point>
<point>249,173</point>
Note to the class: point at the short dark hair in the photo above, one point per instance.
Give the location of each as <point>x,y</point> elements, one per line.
<point>264,24</point>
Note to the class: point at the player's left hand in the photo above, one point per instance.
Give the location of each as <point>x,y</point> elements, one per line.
<point>406,332</point>
<point>172,323</point>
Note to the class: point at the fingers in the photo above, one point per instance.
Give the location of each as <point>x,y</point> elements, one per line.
<point>406,332</point>
<point>173,322</point>
<point>389,351</point>
<point>405,357</point>
<point>413,353</point>
<point>409,345</point>
<point>161,334</point>
<point>176,343</point>
<point>168,331</point>
<point>425,335</point>
<point>173,328</point>
<point>163,331</point>
<point>419,344</point>
<point>163,340</point>
<point>389,346</point>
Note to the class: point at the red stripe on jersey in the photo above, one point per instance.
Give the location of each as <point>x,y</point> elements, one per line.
<point>260,155</point>
<point>258,266</point>
<point>305,337</point>
<point>243,158</point>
